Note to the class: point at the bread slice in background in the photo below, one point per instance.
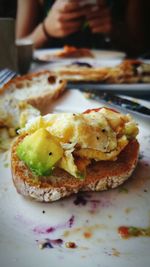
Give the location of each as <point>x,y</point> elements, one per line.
<point>24,98</point>
<point>37,89</point>
<point>100,176</point>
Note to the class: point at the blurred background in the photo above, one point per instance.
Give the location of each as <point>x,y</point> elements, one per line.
<point>125,27</point>
<point>8,8</point>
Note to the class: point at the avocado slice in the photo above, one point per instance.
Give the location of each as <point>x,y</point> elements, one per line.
<point>40,151</point>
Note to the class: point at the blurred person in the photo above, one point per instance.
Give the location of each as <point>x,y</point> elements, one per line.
<point>72,22</point>
<point>131,26</point>
<point>113,24</point>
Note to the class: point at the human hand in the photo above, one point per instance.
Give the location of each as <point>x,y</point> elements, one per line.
<point>99,17</point>
<point>64,18</point>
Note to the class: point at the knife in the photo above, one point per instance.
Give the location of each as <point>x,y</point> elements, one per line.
<point>116,100</point>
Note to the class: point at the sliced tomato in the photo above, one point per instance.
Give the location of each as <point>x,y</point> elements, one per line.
<point>97,109</point>
<point>91,110</point>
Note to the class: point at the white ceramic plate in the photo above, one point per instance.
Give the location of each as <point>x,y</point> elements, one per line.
<point>92,225</point>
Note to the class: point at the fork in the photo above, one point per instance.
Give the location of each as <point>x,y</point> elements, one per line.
<point>6,75</point>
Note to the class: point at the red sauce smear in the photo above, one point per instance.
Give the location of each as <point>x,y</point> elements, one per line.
<point>98,109</point>
<point>87,234</point>
<point>71,245</point>
<point>131,231</point>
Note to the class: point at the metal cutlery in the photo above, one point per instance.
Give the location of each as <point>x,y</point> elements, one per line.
<point>116,100</point>
<point>6,75</point>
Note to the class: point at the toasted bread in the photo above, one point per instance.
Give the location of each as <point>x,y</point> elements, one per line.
<point>100,176</point>
<point>82,74</point>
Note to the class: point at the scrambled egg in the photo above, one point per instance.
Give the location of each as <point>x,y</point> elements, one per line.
<point>99,135</point>
<point>14,114</point>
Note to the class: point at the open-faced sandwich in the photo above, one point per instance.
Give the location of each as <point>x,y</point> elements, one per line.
<point>60,154</point>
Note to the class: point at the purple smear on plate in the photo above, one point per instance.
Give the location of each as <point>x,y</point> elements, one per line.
<point>81,199</point>
<point>20,218</point>
<point>43,230</point>
<point>49,243</point>
<point>95,204</point>
<point>71,221</point>
<point>92,202</point>
<point>50,229</point>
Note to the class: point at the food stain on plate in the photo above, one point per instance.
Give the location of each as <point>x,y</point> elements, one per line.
<point>86,231</point>
<point>128,210</point>
<point>93,201</point>
<point>50,229</point>
<point>127,232</point>
<point>53,243</point>
<point>49,243</point>
<point>71,245</point>
<point>112,252</point>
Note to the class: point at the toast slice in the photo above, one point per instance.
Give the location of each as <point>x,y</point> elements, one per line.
<point>78,73</point>
<point>100,176</point>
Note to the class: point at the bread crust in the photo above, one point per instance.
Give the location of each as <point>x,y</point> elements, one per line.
<point>100,176</point>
